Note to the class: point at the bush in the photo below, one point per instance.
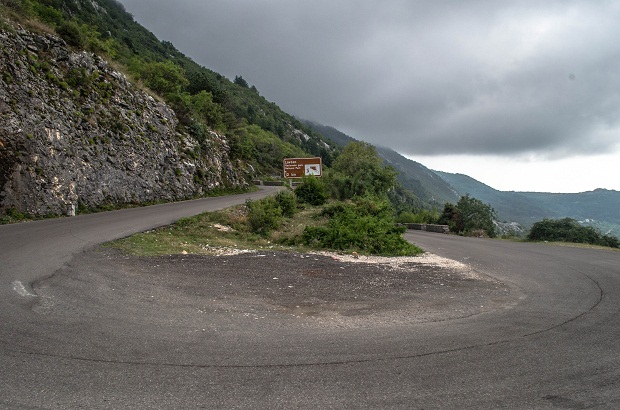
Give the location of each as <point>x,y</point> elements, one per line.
<point>422,217</point>
<point>287,203</point>
<point>71,33</point>
<point>611,241</point>
<point>264,215</point>
<point>359,171</point>
<point>569,230</point>
<point>311,191</point>
<point>365,225</point>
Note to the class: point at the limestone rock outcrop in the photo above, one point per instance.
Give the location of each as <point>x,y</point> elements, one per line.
<point>74,133</point>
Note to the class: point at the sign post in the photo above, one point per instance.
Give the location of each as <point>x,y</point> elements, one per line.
<point>302,167</point>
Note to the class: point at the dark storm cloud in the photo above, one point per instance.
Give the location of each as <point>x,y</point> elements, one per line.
<point>422,77</point>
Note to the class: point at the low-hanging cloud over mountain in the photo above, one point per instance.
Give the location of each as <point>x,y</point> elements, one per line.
<point>423,77</point>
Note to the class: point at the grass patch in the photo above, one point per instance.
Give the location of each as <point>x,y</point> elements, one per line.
<point>12,216</point>
<point>235,229</point>
<point>210,233</point>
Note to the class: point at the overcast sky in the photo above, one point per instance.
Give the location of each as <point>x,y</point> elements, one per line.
<point>521,95</point>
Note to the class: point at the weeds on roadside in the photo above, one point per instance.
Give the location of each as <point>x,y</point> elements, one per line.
<point>364,225</point>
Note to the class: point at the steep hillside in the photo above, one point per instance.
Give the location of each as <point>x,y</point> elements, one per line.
<point>435,190</point>
<point>143,124</point>
<point>76,134</point>
<point>600,208</point>
<point>423,182</point>
<point>510,206</point>
<point>258,132</point>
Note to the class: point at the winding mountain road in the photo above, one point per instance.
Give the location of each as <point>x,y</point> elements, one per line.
<point>556,344</point>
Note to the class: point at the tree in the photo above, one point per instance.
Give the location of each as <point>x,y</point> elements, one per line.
<point>241,82</point>
<point>206,109</point>
<point>164,77</point>
<point>469,216</point>
<point>359,171</point>
<point>450,216</point>
<point>311,191</point>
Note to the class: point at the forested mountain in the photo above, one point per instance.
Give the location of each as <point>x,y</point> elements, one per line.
<point>98,113</point>
<point>258,131</point>
<point>600,208</point>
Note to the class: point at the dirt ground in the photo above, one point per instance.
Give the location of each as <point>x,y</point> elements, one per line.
<point>286,289</point>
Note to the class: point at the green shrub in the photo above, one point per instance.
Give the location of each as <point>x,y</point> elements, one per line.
<point>287,203</point>
<point>569,230</point>
<point>422,217</point>
<point>311,191</point>
<point>71,33</point>
<point>611,241</point>
<point>13,215</point>
<point>365,225</point>
<point>263,215</point>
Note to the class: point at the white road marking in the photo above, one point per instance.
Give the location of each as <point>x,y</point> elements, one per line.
<point>21,289</point>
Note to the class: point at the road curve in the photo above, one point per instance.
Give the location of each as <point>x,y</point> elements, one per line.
<point>555,345</point>
<point>33,250</point>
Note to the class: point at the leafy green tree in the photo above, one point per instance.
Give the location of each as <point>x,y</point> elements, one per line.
<point>611,241</point>
<point>450,216</point>
<point>264,150</point>
<point>476,215</point>
<point>241,82</point>
<point>207,110</point>
<point>312,191</point>
<point>359,171</point>
<point>468,216</point>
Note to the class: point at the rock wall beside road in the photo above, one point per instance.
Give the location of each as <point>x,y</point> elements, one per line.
<point>75,133</point>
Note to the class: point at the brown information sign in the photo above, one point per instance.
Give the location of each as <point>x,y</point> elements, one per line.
<point>302,167</point>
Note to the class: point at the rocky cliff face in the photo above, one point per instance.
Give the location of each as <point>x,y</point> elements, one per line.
<point>75,133</point>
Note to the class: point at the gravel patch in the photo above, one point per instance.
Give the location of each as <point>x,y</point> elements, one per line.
<point>259,290</point>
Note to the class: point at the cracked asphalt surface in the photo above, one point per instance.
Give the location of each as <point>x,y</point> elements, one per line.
<point>537,327</point>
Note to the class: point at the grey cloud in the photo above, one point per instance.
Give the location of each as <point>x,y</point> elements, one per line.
<point>422,77</point>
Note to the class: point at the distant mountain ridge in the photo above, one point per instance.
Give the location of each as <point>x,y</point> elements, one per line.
<point>77,133</point>
<point>600,208</point>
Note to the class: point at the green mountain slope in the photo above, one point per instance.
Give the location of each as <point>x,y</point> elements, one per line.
<point>258,132</point>
<point>600,204</point>
<point>423,182</point>
<point>600,208</point>
<point>510,206</point>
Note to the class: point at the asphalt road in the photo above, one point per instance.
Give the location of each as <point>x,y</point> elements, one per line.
<point>555,343</point>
